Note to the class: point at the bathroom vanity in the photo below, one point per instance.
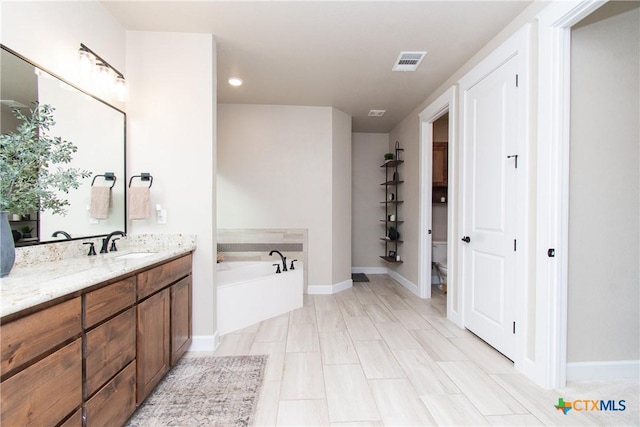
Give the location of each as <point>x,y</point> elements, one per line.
<point>89,356</point>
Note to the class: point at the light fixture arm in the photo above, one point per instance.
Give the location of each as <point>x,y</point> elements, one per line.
<point>84,47</point>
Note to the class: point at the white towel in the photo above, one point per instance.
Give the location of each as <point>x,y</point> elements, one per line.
<point>139,203</point>
<point>100,202</point>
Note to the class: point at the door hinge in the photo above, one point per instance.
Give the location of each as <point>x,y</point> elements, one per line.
<point>516,80</point>
<point>514,327</point>
<point>515,245</point>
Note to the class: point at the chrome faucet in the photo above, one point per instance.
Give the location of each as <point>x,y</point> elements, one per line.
<point>60,232</point>
<point>282,257</point>
<point>105,241</point>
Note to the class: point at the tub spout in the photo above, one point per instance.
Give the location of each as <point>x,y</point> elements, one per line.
<point>282,257</point>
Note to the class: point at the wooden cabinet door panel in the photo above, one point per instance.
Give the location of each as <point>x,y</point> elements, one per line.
<point>180,318</point>
<point>109,348</point>
<point>46,392</point>
<point>163,275</point>
<point>28,337</point>
<point>440,174</point>
<point>107,301</point>
<point>115,402</point>
<point>153,342</point>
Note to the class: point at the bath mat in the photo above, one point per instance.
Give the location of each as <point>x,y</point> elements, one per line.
<point>205,391</point>
<point>359,277</point>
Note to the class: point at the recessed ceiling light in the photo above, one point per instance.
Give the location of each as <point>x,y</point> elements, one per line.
<point>235,81</point>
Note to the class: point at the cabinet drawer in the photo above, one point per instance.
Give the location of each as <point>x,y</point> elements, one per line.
<point>28,337</point>
<point>105,302</point>
<point>115,402</point>
<point>74,420</point>
<point>153,280</point>
<point>47,391</point>
<point>110,347</point>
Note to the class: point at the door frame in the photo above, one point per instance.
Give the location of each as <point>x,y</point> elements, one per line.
<point>445,103</point>
<point>552,201</point>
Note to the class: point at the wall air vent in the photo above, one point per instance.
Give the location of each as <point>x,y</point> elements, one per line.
<point>408,61</point>
<point>376,113</point>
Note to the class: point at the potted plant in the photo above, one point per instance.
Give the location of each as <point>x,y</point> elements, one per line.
<point>32,175</point>
<point>26,231</point>
<point>388,157</point>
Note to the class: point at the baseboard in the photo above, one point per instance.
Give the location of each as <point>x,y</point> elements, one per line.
<point>205,342</point>
<point>611,370</point>
<point>404,282</point>
<point>370,270</point>
<point>328,290</point>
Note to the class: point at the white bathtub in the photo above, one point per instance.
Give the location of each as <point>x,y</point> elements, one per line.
<point>250,292</point>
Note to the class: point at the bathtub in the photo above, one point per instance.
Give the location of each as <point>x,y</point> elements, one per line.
<point>250,292</point>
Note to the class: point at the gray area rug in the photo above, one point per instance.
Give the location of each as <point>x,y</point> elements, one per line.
<point>359,277</point>
<point>205,391</point>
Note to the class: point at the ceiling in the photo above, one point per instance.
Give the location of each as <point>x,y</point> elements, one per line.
<point>330,53</point>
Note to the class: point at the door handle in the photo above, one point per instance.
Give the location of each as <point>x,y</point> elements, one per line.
<point>466,239</point>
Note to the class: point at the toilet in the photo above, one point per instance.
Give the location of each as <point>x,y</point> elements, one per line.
<point>439,265</point>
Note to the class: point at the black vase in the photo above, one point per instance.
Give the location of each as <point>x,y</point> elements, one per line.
<point>394,234</point>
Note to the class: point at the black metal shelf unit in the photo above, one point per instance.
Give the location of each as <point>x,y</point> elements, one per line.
<point>391,204</point>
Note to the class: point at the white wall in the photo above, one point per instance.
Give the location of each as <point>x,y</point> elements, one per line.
<point>171,126</point>
<point>275,170</point>
<point>603,297</point>
<point>341,197</point>
<point>368,155</point>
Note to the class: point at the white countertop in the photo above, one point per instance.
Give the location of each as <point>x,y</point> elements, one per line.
<point>28,286</point>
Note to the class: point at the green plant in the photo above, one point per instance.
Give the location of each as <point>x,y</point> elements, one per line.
<point>25,229</point>
<point>388,156</point>
<point>31,165</point>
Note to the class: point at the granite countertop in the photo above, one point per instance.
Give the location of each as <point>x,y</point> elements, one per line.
<point>36,283</point>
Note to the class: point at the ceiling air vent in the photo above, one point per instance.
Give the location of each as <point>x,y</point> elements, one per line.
<point>408,61</point>
<point>376,113</point>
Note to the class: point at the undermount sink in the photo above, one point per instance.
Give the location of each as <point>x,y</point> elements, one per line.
<point>135,255</point>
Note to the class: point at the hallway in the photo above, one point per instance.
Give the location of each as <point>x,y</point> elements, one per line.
<point>378,355</point>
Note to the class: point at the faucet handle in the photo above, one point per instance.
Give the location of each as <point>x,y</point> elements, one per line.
<point>292,266</point>
<point>113,245</point>
<point>278,268</point>
<point>92,249</point>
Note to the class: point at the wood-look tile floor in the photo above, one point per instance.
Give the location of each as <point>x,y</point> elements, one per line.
<point>376,354</point>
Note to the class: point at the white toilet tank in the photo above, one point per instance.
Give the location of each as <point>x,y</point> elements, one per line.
<point>439,252</point>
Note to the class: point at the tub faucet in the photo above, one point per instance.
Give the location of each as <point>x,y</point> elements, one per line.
<point>282,257</point>
<point>105,241</point>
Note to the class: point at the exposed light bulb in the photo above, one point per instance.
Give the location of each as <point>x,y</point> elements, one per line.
<point>85,59</point>
<point>120,88</point>
<point>235,81</point>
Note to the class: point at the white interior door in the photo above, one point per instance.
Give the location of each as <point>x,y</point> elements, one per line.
<point>489,207</point>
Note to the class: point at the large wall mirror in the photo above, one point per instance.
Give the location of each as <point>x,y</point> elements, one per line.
<point>95,127</point>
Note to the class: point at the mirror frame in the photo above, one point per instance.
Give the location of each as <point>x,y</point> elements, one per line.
<point>124,146</point>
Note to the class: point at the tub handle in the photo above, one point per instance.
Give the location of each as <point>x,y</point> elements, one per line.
<point>277,269</point>
<point>292,266</point>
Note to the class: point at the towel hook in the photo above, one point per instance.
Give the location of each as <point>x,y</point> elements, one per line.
<point>108,176</point>
<point>144,176</point>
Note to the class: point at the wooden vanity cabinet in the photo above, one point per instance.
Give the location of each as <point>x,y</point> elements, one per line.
<point>90,360</point>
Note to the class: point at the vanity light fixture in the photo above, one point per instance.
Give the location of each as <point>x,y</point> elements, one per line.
<point>235,81</point>
<point>107,76</point>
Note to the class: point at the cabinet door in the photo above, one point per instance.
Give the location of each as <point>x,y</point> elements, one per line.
<point>439,175</point>
<point>153,342</point>
<point>180,318</point>
<point>46,392</point>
